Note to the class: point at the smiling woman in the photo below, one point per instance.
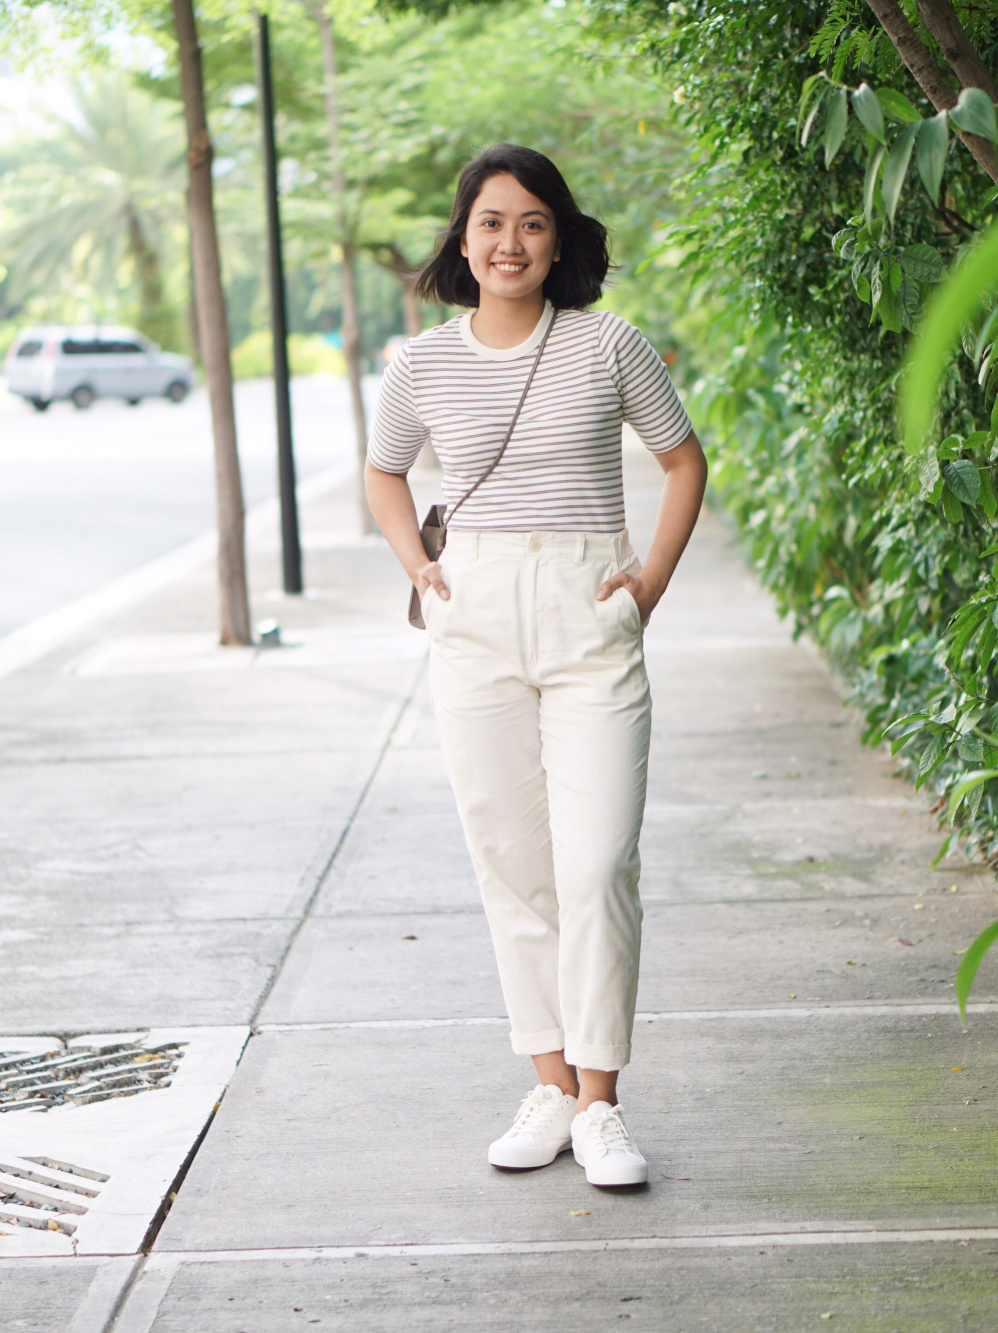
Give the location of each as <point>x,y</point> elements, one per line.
<point>535,613</point>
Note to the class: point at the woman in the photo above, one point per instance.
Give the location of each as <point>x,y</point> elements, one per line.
<point>535,614</point>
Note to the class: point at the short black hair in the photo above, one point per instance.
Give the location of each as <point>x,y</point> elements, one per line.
<point>575,282</point>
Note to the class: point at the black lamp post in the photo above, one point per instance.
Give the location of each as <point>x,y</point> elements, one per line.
<point>290,540</point>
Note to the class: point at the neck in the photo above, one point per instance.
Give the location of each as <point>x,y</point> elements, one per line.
<point>499,322</point>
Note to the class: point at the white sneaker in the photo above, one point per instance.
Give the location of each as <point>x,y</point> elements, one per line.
<point>602,1143</point>
<point>542,1129</point>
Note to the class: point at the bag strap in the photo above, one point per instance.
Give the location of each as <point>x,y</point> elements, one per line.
<point>509,434</point>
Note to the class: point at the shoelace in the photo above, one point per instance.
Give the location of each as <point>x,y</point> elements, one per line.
<point>611,1131</point>
<point>534,1111</point>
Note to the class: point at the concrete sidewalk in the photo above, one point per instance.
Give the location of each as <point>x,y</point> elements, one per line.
<point>261,844</point>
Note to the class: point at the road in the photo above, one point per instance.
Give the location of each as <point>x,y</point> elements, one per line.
<point>88,496</point>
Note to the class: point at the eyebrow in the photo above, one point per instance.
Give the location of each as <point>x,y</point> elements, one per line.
<point>530,213</point>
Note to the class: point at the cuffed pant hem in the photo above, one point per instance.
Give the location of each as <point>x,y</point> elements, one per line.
<point>607,1058</point>
<point>537,1043</point>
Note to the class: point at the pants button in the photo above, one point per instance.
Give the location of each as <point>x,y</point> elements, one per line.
<point>535,545</point>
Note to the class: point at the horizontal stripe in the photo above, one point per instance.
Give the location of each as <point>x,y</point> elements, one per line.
<point>562,468</point>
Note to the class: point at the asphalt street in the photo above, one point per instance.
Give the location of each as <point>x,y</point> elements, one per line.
<point>86,497</point>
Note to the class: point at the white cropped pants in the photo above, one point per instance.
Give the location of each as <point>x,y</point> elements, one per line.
<point>544,714</point>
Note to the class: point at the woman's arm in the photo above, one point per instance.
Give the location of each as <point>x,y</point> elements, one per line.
<point>685,471</point>
<point>391,503</point>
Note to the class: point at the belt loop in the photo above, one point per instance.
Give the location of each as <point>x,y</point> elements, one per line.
<point>580,548</point>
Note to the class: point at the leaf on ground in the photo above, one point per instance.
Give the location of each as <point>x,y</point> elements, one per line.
<point>909,944</point>
<point>579,1212</point>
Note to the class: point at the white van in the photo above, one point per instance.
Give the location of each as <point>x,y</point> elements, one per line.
<point>82,364</point>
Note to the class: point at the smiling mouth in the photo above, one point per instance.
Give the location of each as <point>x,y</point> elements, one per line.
<point>509,268</point>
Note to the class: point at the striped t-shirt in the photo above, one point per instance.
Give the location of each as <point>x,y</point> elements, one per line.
<point>562,468</point>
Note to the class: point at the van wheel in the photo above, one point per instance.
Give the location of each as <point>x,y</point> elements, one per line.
<point>41,404</point>
<point>177,391</point>
<point>82,396</point>
<point>133,402</point>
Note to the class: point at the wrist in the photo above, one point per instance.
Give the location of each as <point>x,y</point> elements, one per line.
<point>655,578</point>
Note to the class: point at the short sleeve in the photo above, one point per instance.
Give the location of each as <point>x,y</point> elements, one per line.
<point>397,434</point>
<point>651,404</point>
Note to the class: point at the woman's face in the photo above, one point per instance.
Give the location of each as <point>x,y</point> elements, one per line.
<point>510,241</point>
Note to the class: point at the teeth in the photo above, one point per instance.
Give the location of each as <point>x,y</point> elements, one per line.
<point>510,268</point>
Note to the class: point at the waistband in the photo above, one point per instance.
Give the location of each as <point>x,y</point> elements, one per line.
<point>574,546</point>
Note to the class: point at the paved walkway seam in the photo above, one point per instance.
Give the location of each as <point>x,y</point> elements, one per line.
<point>327,861</point>
<point>908,1008</point>
<point>724,1240</point>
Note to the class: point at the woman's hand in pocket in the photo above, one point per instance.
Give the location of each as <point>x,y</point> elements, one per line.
<point>431,575</point>
<point>646,595</point>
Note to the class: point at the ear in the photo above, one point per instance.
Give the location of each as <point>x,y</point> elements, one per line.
<point>464,247</point>
<point>557,252</point>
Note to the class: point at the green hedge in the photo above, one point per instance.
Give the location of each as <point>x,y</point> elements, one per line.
<point>883,557</point>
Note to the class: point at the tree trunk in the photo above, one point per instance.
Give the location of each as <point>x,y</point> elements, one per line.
<point>940,18</point>
<point>411,310</point>
<point>927,75</point>
<point>155,318</point>
<point>213,336</point>
<point>352,351</point>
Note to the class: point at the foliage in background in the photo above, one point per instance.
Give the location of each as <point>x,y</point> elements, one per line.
<point>92,208</point>
<point>776,275</point>
<point>419,95</point>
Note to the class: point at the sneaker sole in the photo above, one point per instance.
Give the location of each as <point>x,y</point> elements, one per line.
<point>640,1177</point>
<point>534,1166</point>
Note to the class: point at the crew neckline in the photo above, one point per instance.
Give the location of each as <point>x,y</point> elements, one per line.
<point>506,353</point>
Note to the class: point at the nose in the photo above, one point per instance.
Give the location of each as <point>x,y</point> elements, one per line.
<point>510,242</point>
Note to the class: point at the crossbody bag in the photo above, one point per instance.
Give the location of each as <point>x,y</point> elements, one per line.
<point>434,529</point>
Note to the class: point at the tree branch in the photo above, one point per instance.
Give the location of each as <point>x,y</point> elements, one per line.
<point>940,18</point>
<point>927,75</point>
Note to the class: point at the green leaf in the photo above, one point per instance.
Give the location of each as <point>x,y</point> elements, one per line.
<point>985,652</point>
<point>835,125</point>
<point>971,748</point>
<point>992,550</point>
<point>862,284</point>
<point>988,500</point>
<point>930,152</point>
<point>928,472</point>
<point>887,306</point>
<point>945,849</point>
<point>993,718</point>
<point>952,507</point>
<point>956,300</point>
<point>987,329</point>
<point>806,93</point>
<point>976,439</point>
<point>896,106</point>
<point>867,108</point>
<point>922,262</point>
<point>909,302</point>
<point>969,964</point>
<point>968,784</point>
<point>974,113</point>
<point>870,183</point>
<point>931,758</point>
<point>844,242</point>
<point>964,480</point>
<point>896,168</point>
<point>974,802</point>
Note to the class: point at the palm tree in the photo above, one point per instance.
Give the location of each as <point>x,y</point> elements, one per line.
<point>91,204</point>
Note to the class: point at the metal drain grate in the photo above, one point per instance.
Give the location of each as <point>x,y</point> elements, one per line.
<point>77,1076</point>
<point>47,1195</point>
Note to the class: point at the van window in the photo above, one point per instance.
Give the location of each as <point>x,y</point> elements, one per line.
<point>124,349</point>
<point>85,347</point>
<point>30,348</point>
